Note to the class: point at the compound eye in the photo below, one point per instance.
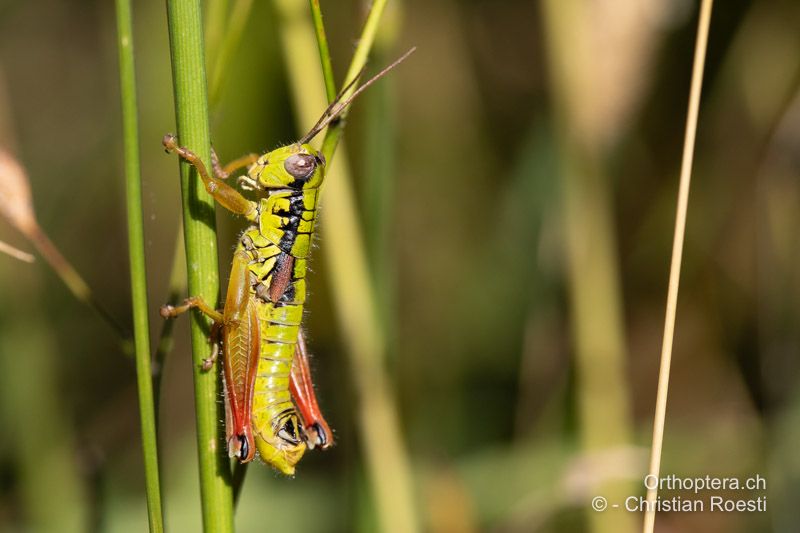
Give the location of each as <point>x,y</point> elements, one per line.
<point>300,166</point>
<point>289,432</point>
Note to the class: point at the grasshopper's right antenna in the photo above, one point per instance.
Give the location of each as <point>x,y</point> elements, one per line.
<point>338,105</point>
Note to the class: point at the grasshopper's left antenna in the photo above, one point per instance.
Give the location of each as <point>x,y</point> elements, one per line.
<point>338,105</point>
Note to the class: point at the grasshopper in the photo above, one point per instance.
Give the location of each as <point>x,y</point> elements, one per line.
<point>267,379</point>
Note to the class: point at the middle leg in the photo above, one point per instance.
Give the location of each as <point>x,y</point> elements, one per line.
<point>224,172</point>
<point>197,302</point>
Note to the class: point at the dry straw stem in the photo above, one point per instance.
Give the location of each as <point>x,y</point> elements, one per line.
<point>15,195</point>
<point>16,206</point>
<point>677,254</point>
<point>388,464</point>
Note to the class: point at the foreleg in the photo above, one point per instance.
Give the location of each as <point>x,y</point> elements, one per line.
<point>227,196</point>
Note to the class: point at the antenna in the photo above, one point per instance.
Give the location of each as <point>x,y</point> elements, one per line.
<point>338,106</point>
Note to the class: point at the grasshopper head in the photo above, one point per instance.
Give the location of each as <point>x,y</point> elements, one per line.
<point>283,447</point>
<point>296,166</point>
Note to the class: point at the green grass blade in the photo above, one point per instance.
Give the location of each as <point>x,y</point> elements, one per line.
<point>217,13</point>
<point>189,78</point>
<point>365,42</point>
<point>378,191</point>
<point>324,51</point>
<point>227,47</point>
<point>141,327</point>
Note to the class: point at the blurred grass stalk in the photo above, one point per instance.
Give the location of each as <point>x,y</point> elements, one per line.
<point>379,171</point>
<point>597,325</point>
<point>35,420</point>
<point>227,30</point>
<point>388,463</point>
<point>16,206</point>
<point>216,17</point>
<point>176,289</point>
<point>37,424</point>
<point>771,101</point>
<point>141,327</point>
<point>189,77</point>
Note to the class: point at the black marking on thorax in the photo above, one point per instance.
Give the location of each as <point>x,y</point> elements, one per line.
<point>294,215</point>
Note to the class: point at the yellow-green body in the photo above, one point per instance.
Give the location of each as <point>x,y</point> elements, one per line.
<point>265,361</point>
<point>263,311</point>
<point>278,244</point>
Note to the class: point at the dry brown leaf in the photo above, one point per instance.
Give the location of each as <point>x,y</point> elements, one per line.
<point>15,194</point>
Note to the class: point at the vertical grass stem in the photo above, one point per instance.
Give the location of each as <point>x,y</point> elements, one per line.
<point>141,327</point>
<point>191,108</point>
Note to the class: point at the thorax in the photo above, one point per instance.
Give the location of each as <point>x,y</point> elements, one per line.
<point>287,219</point>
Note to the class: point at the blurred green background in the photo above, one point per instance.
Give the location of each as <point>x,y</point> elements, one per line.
<point>516,183</point>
